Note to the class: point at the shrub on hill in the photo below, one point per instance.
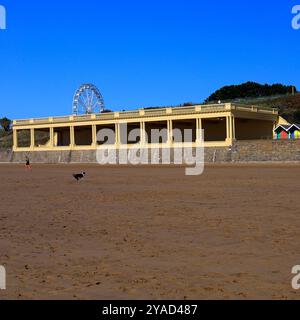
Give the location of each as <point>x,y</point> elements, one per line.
<point>5,124</point>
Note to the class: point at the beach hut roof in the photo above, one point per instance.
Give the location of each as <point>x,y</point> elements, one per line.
<point>296,125</point>
<point>284,127</point>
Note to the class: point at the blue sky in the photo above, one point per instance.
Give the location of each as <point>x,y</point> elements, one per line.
<point>140,53</point>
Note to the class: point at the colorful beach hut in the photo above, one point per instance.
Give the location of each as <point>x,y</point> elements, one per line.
<point>282,132</point>
<point>294,131</point>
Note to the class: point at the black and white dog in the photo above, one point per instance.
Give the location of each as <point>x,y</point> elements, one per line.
<point>79,176</point>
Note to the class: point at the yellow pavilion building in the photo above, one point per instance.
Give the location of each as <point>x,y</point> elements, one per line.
<point>222,124</point>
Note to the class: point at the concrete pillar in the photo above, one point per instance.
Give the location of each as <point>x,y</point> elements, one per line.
<point>143,133</point>
<point>94,133</point>
<point>228,129</point>
<point>199,130</point>
<point>55,139</point>
<point>51,137</point>
<point>233,128</point>
<point>15,139</point>
<point>230,124</point>
<point>72,136</point>
<point>32,140</point>
<point>118,134</point>
<point>170,131</point>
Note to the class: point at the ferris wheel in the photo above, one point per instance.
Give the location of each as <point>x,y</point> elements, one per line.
<point>87,100</point>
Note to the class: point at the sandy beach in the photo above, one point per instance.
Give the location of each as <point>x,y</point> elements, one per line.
<point>150,232</point>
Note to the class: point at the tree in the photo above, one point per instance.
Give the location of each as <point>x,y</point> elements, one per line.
<point>5,124</point>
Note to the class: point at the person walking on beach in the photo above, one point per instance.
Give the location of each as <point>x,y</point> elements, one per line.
<point>28,166</point>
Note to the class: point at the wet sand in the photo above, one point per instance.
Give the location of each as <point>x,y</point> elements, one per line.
<point>150,232</point>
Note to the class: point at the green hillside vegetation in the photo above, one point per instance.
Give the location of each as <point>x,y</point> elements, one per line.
<point>284,98</point>
<point>288,106</point>
<point>250,90</point>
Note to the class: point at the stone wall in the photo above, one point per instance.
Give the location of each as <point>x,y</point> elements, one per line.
<point>266,150</point>
<point>256,151</point>
<point>241,151</point>
<point>6,155</point>
<point>51,157</point>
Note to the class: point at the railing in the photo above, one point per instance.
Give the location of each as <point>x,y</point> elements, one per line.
<point>22,122</point>
<point>149,113</point>
<point>105,116</point>
<point>242,107</point>
<point>155,112</point>
<point>60,119</point>
<point>129,114</point>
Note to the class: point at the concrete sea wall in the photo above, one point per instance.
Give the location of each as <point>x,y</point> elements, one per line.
<point>241,151</point>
